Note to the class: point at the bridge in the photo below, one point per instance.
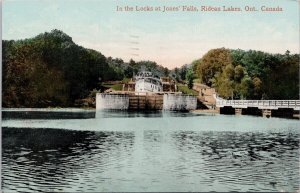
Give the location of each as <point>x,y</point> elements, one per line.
<point>261,104</point>
<point>281,108</point>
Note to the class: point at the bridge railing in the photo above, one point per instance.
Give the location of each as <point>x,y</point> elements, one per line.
<point>266,104</point>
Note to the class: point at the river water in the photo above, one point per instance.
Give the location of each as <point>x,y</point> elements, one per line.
<point>121,151</point>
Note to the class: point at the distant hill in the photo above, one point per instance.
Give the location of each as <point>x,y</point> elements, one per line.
<point>51,70</point>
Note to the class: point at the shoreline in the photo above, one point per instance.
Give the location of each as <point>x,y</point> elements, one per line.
<point>47,113</point>
<point>84,113</point>
<point>214,111</point>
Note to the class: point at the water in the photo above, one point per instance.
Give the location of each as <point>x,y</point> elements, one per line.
<point>151,152</point>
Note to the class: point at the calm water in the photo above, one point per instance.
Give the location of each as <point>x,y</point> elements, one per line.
<point>151,152</point>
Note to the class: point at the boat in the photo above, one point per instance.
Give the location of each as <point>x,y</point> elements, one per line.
<point>146,82</point>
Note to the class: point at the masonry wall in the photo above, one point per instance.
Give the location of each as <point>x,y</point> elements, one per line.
<point>179,102</point>
<point>112,101</point>
<point>173,102</point>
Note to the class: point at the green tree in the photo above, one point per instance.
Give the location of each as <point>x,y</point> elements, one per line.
<point>211,63</point>
<point>239,73</point>
<point>49,70</point>
<point>28,82</point>
<point>190,78</point>
<point>166,72</point>
<point>183,72</point>
<point>253,74</point>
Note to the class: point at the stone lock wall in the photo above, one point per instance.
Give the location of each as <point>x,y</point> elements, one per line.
<point>112,101</point>
<point>179,102</point>
<point>172,102</point>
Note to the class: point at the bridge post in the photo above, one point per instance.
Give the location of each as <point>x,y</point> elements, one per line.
<point>265,108</point>
<point>238,111</point>
<point>266,113</point>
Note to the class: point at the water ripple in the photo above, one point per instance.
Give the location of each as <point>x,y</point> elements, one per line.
<point>38,160</point>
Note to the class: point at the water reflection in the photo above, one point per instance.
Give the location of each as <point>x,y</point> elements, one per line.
<point>262,161</point>
<point>147,114</point>
<point>43,159</point>
<point>126,114</point>
<point>152,154</point>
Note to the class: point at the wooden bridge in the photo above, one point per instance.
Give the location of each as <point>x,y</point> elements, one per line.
<point>265,107</point>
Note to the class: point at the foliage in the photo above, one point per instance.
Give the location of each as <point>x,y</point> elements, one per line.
<point>49,70</point>
<point>250,74</point>
<point>190,78</point>
<point>133,67</point>
<point>184,89</point>
<point>179,74</point>
<point>27,79</point>
<point>116,87</point>
<point>211,63</point>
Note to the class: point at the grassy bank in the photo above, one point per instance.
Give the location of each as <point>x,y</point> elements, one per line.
<point>184,89</point>
<point>117,87</point>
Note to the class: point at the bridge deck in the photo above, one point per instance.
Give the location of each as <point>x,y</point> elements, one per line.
<point>261,104</point>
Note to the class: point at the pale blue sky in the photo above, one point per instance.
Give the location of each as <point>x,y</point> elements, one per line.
<point>170,39</point>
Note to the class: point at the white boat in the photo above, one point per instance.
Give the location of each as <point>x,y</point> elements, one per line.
<point>145,82</point>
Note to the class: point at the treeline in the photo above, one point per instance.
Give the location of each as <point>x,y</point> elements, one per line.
<point>250,74</point>
<point>183,75</point>
<point>130,69</point>
<point>51,70</point>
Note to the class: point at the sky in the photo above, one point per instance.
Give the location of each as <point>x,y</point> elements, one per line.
<point>171,39</point>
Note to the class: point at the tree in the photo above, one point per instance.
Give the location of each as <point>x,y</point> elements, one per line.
<point>49,70</point>
<point>166,72</point>
<point>212,62</point>
<point>243,88</point>
<point>28,82</point>
<point>239,73</point>
<point>229,72</point>
<point>190,78</point>
<point>250,74</point>
<point>257,88</point>
<point>176,74</point>
<point>182,72</point>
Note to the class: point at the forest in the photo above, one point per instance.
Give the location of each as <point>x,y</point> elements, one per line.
<point>239,74</point>
<point>50,70</point>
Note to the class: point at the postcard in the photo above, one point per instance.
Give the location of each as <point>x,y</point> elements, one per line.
<point>150,96</point>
